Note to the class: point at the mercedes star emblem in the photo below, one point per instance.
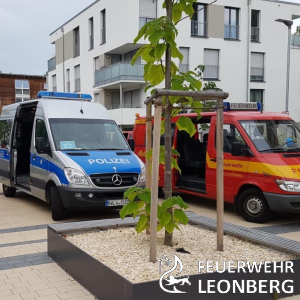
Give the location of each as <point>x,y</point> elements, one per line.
<point>116,179</point>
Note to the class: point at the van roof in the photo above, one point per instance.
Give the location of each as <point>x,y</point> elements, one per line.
<point>62,108</point>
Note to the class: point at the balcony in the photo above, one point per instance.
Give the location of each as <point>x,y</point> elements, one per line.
<point>144,21</point>
<point>211,72</point>
<point>52,64</point>
<point>76,49</point>
<point>77,85</point>
<point>198,28</point>
<point>231,32</point>
<point>91,41</point>
<point>119,71</point>
<point>255,34</point>
<point>103,35</point>
<point>184,68</point>
<point>295,40</point>
<point>257,74</point>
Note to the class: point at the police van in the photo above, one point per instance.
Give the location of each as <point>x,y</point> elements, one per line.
<point>67,151</point>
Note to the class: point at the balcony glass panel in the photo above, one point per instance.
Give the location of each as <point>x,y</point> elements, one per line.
<point>211,72</point>
<point>255,34</point>
<point>231,32</point>
<point>52,63</point>
<point>198,28</point>
<point>295,40</point>
<point>257,74</point>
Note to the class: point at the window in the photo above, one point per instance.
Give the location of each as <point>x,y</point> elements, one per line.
<point>5,130</point>
<point>77,79</point>
<point>199,20</point>
<point>45,86</point>
<point>41,132</point>
<point>231,30</point>
<point>132,99</point>
<point>22,88</point>
<point>184,65</point>
<point>257,96</point>
<point>91,33</point>
<point>211,63</point>
<point>76,42</point>
<point>257,67</point>
<point>129,55</point>
<point>231,135</point>
<point>147,11</point>
<point>255,25</point>
<point>103,27</point>
<point>96,63</point>
<point>68,80</point>
<point>54,87</point>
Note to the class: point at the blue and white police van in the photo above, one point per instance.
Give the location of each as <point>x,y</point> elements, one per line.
<point>66,150</point>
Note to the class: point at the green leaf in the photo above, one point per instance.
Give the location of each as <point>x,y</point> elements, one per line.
<point>141,33</point>
<point>175,152</point>
<point>159,50</point>
<point>148,208</point>
<point>197,104</point>
<point>189,9</point>
<point>141,204</point>
<point>176,53</point>
<point>146,197</point>
<point>149,86</point>
<point>128,209</point>
<point>140,226</point>
<point>179,201</point>
<point>170,226</point>
<point>176,226</point>
<point>168,203</point>
<point>175,164</point>
<point>159,227</point>
<point>162,128</point>
<point>174,68</point>
<point>131,193</point>
<point>156,36</point>
<point>176,14</point>
<point>144,49</point>
<point>147,67</point>
<point>164,218</point>
<point>186,124</point>
<point>156,74</point>
<point>149,154</point>
<point>180,215</point>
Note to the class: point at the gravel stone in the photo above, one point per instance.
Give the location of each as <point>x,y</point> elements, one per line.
<point>127,252</point>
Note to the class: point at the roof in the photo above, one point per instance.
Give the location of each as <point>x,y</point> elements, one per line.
<point>276,1</point>
<point>22,75</point>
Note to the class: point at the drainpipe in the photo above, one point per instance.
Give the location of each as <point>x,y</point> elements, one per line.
<point>248,50</point>
<point>63,41</point>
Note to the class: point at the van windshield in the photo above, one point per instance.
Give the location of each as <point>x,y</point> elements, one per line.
<point>86,134</point>
<point>273,135</point>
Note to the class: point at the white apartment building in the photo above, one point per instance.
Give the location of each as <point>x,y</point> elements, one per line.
<point>242,47</point>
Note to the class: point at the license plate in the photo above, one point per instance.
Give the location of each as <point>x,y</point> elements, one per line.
<point>120,202</point>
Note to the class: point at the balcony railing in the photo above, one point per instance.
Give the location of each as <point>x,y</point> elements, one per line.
<point>54,88</point>
<point>232,32</point>
<point>257,74</point>
<point>76,49</point>
<point>52,64</point>
<point>103,35</point>
<point>254,34</point>
<point>211,72</point>
<point>77,85</point>
<point>68,87</point>
<point>183,68</point>
<point>117,106</point>
<point>198,28</point>
<point>144,21</point>
<point>295,40</point>
<point>91,41</point>
<point>119,71</point>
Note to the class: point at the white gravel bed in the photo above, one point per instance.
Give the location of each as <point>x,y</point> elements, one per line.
<point>127,252</point>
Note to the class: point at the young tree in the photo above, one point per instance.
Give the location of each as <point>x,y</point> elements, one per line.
<point>158,53</point>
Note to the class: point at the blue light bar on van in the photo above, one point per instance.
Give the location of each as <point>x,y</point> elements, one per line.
<point>228,106</point>
<point>42,94</point>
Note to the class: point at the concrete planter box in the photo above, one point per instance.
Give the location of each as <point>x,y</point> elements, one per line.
<point>104,283</point>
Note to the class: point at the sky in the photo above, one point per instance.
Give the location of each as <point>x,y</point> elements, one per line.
<point>25,26</point>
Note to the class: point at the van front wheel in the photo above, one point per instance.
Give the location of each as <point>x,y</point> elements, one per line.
<point>8,191</point>
<point>56,204</point>
<point>253,206</point>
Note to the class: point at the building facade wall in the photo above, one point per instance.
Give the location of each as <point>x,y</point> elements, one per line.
<point>122,24</point>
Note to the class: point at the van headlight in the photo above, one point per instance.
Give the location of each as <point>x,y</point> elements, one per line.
<point>143,175</point>
<point>289,186</point>
<point>76,177</point>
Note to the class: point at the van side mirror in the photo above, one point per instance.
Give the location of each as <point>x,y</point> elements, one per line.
<point>39,145</point>
<point>131,144</point>
<point>236,149</point>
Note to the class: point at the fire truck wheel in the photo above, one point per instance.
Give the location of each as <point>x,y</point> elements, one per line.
<point>253,206</point>
<point>8,191</point>
<point>160,192</point>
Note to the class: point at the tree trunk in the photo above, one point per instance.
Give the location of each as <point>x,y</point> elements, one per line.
<point>168,141</point>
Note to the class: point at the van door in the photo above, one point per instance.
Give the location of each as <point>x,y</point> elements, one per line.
<point>39,162</point>
<point>5,131</point>
<point>235,167</point>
